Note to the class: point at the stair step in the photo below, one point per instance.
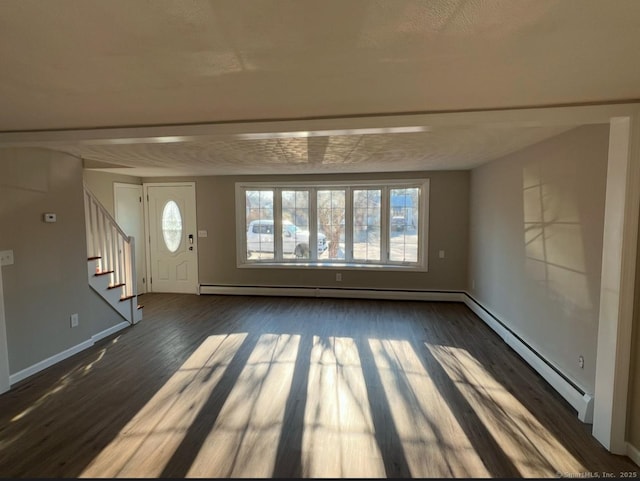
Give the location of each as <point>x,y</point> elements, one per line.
<point>140,306</point>
<point>94,258</point>
<point>115,286</point>
<point>126,298</point>
<point>103,273</point>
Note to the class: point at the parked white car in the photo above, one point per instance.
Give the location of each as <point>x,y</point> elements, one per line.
<point>294,240</point>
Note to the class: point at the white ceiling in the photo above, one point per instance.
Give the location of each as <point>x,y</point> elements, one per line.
<point>86,64</point>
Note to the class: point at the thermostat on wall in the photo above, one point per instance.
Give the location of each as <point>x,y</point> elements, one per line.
<point>49,217</point>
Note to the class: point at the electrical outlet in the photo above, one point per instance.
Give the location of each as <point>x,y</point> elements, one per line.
<point>473,283</point>
<point>441,254</point>
<point>74,320</point>
<point>6,258</point>
<point>339,276</point>
<point>581,362</point>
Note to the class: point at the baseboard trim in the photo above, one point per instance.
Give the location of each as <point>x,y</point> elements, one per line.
<point>345,293</point>
<point>61,356</point>
<point>107,332</point>
<point>573,394</point>
<point>50,361</point>
<point>633,453</point>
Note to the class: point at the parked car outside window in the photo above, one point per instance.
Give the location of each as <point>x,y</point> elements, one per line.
<point>398,223</point>
<point>294,240</point>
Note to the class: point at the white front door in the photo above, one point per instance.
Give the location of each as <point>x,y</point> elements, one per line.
<point>130,217</point>
<point>173,240</point>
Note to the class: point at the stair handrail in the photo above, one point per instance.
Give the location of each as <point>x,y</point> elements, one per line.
<point>109,244</point>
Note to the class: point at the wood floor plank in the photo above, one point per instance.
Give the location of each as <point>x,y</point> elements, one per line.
<point>229,386</point>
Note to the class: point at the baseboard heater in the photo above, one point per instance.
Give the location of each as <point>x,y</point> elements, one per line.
<point>581,401</point>
<point>345,293</point>
<point>577,397</point>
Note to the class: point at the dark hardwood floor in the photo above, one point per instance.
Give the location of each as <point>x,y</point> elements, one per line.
<point>214,386</point>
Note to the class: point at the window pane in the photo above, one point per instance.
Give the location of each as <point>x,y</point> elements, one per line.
<point>295,224</point>
<point>403,224</point>
<point>259,218</point>
<point>331,211</point>
<point>171,226</point>
<point>366,225</point>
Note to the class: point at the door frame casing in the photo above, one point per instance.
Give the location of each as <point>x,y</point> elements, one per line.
<point>147,227</point>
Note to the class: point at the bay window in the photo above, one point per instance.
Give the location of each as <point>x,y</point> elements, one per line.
<point>356,224</point>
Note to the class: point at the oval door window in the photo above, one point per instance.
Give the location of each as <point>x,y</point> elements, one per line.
<point>171,226</point>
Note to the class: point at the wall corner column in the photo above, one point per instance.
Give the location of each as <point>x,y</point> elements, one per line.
<point>4,352</point>
<point>619,248</point>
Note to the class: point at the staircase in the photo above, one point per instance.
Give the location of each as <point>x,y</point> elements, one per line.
<point>110,260</point>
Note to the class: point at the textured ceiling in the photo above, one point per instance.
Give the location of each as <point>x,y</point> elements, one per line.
<point>82,64</point>
<point>451,148</point>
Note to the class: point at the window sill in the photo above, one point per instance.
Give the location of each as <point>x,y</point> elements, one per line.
<point>332,266</point>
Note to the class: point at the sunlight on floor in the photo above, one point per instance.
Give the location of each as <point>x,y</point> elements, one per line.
<point>338,439</point>
<point>243,442</point>
<point>352,407</point>
<point>533,450</point>
<point>62,384</point>
<point>147,442</point>
<point>422,417</point>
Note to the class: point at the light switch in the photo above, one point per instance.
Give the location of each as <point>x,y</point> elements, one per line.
<point>202,233</point>
<point>441,254</point>
<point>49,217</point>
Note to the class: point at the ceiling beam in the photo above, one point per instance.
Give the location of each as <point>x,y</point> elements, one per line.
<point>497,119</point>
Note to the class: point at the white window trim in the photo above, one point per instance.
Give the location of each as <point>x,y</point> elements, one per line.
<point>314,262</point>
